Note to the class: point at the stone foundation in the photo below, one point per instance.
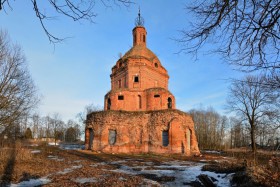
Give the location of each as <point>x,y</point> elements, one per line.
<point>163,131</point>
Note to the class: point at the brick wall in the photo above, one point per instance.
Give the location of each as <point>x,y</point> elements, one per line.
<point>141,132</point>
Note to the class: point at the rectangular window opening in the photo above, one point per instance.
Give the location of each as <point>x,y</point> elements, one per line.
<point>157,95</point>
<point>120,97</point>
<point>136,79</point>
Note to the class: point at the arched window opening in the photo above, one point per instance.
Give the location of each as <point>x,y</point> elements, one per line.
<point>108,104</point>
<point>169,103</point>
<point>165,138</point>
<point>112,137</point>
<point>139,102</point>
<point>120,83</point>
<point>156,65</point>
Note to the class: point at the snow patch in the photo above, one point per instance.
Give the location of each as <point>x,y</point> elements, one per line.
<point>32,182</point>
<point>68,170</point>
<point>71,146</point>
<point>35,151</point>
<point>98,164</point>
<point>85,180</point>
<point>77,167</point>
<point>55,158</point>
<point>212,152</point>
<point>118,162</point>
<point>33,145</point>
<point>53,143</point>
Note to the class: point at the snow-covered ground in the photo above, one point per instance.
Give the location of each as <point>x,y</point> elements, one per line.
<point>176,173</point>
<point>184,172</point>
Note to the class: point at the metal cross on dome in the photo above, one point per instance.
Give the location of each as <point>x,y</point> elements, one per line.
<point>139,21</point>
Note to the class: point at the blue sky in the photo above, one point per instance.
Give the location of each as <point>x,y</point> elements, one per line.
<point>76,72</point>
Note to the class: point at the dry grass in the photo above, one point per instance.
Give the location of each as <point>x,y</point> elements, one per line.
<point>263,171</point>
<point>17,152</point>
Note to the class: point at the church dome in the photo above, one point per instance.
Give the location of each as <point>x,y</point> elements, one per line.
<point>140,51</point>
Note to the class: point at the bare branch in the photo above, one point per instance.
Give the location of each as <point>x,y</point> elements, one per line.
<point>77,10</point>
<point>17,91</point>
<point>247,31</point>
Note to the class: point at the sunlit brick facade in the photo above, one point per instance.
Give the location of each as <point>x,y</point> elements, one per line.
<point>140,114</point>
<point>138,81</point>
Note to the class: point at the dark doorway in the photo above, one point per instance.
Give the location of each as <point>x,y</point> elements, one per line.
<point>91,136</point>
<point>139,102</point>
<point>109,104</point>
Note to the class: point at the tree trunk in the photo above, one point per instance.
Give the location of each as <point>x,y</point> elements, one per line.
<point>253,142</point>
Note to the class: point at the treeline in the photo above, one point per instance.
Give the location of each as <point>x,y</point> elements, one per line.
<point>19,100</point>
<point>219,132</point>
<point>210,128</point>
<point>44,128</point>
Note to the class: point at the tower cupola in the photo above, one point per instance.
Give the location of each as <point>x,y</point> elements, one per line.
<point>139,32</point>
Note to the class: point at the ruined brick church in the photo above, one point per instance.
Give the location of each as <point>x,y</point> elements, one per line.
<point>140,114</point>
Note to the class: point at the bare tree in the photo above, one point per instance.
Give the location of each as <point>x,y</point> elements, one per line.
<point>87,110</point>
<point>17,91</point>
<point>247,30</point>
<point>56,125</point>
<point>73,131</point>
<point>28,133</point>
<point>251,102</point>
<point>77,10</point>
<point>210,128</point>
<point>35,124</point>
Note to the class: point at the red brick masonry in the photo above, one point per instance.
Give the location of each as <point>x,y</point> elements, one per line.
<point>141,132</point>
<point>140,114</point>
